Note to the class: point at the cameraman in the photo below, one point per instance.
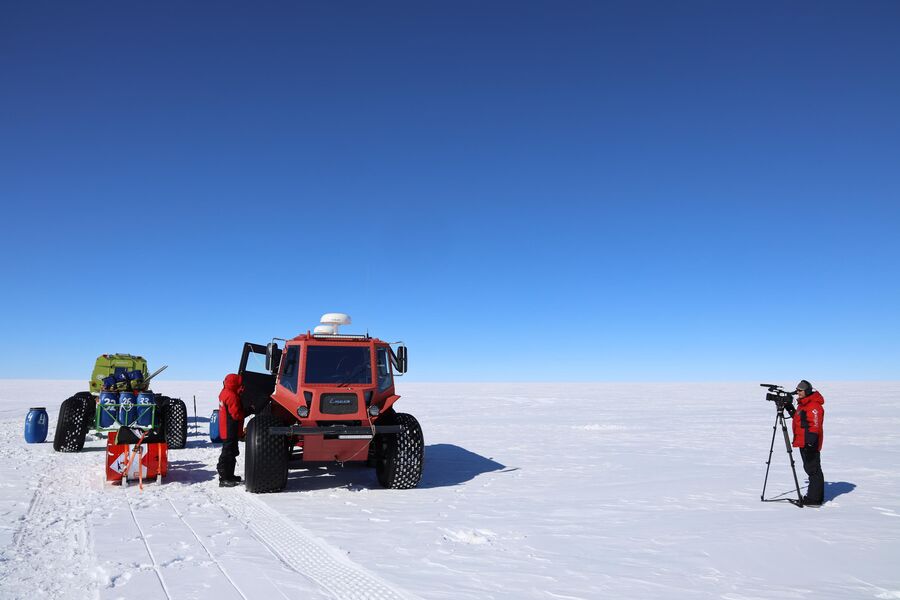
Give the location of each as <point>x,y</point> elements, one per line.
<point>808,418</point>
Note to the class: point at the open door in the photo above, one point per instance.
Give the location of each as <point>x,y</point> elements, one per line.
<point>259,382</point>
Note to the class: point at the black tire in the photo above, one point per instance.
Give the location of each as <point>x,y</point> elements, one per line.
<point>266,463</point>
<point>162,408</point>
<point>399,458</point>
<point>70,432</point>
<point>90,410</point>
<point>174,415</point>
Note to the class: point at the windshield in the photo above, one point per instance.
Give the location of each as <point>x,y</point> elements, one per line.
<point>338,364</point>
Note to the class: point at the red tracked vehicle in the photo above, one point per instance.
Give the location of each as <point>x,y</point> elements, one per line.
<point>327,397</point>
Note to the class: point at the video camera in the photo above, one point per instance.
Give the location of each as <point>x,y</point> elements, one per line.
<point>777,394</point>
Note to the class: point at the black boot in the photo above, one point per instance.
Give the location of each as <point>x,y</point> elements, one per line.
<point>223,482</point>
<point>235,478</point>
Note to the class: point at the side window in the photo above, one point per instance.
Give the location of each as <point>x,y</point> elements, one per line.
<point>290,369</point>
<point>385,379</point>
<point>256,363</point>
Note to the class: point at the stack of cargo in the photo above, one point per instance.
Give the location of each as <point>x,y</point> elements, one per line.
<point>135,448</point>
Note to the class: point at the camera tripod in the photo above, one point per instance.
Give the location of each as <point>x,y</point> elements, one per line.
<point>779,418</point>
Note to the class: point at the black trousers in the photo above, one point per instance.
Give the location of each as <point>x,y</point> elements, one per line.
<point>230,451</point>
<point>812,464</point>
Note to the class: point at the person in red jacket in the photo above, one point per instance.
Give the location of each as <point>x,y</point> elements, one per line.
<point>808,418</point>
<point>231,425</point>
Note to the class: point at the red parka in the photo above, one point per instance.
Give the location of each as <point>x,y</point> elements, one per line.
<point>230,403</point>
<point>808,418</point>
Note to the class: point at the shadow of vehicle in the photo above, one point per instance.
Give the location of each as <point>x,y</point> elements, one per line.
<point>445,465</point>
<point>189,471</point>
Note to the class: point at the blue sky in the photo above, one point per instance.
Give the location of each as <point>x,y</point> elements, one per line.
<point>555,191</point>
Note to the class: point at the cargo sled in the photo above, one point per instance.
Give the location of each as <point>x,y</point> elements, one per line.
<point>135,455</point>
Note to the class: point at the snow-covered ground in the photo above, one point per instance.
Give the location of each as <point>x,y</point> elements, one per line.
<point>530,491</point>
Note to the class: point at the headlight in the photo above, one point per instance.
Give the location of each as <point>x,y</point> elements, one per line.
<point>373,411</point>
<point>302,411</point>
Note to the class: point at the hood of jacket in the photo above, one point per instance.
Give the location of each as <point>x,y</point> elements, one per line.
<point>814,398</point>
<point>232,382</point>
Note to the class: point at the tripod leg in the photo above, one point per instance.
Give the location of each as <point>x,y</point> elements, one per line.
<point>769,462</point>
<point>787,444</point>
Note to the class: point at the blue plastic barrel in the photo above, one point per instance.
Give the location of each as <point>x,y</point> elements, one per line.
<point>214,427</point>
<point>145,404</point>
<point>109,409</point>
<point>36,425</point>
<point>121,380</point>
<point>127,409</point>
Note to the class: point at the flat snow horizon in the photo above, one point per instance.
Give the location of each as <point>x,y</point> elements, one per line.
<point>530,490</point>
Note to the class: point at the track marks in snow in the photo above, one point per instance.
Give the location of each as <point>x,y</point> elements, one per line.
<point>156,568</point>
<point>176,541</point>
<point>52,531</point>
<point>205,549</point>
<point>147,548</point>
<point>315,559</point>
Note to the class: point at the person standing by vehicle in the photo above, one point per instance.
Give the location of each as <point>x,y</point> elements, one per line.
<point>231,425</point>
<point>808,418</point>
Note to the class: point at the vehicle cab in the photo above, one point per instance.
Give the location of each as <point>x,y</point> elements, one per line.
<point>330,377</point>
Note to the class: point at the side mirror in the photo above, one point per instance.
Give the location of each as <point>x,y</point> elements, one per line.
<point>271,351</point>
<point>402,359</point>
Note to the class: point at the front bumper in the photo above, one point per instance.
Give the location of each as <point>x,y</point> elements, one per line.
<point>339,431</point>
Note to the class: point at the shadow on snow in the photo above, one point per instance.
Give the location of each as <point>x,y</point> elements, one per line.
<point>833,489</point>
<point>445,465</point>
<point>189,471</point>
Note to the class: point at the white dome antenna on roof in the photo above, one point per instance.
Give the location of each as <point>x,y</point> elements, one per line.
<point>331,322</point>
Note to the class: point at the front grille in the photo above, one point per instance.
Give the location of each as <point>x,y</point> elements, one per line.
<point>338,423</point>
<point>338,404</point>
